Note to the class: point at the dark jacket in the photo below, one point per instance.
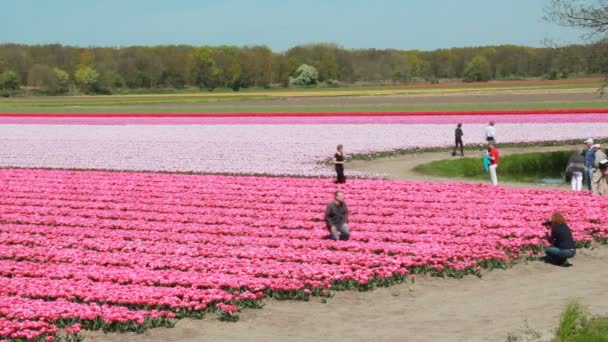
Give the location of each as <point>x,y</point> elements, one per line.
<point>576,163</point>
<point>561,237</point>
<point>336,215</point>
<point>458,133</point>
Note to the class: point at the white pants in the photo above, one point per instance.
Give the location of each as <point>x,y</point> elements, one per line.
<point>577,181</point>
<point>493,174</point>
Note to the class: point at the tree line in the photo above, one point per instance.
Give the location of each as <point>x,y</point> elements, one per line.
<point>56,69</point>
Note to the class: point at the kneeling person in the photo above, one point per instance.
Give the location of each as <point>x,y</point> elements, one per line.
<point>560,236</point>
<point>336,217</point>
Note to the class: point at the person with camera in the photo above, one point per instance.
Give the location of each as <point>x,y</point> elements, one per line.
<point>562,244</point>
<point>600,166</point>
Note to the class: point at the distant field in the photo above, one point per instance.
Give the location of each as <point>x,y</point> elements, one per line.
<point>581,93</point>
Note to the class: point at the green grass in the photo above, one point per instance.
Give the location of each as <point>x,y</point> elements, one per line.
<point>524,167</point>
<point>276,99</point>
<point>223,105</point>
<point>576,326</point>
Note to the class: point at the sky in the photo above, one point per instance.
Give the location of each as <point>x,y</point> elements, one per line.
<point>281,24</point>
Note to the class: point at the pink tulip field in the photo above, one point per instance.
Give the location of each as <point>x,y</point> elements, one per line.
<point>129,251</point>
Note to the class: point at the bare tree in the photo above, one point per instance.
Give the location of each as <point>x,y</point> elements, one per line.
<point>591,16</point>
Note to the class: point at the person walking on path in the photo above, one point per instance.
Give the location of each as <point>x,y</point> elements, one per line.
<point>339,164</point>
<point>589,161</point>
<point>336,217</point>
<point>562,244</point>
<point>458,136</point>
<point>598,179</point>
<point>575,169</point>
<point>491,132</point>
<point>494,157</point>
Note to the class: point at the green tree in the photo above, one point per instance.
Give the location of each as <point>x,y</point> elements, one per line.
<point>328,66</point>
<point>9,80</point>
<point>478,70</point>
<point>203,69</point>
<point>305,75</point>
<point>41,76</point>
<point>63,80</point>
<point>87,78</point>
<point>227,61</point>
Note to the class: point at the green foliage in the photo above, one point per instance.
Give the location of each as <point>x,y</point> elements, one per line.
<point>328,66</point>
<point>9,80</point>
<point>575,325</point>
<point>595,330</point>
<point>203,70</point>
<point>87,78</point>
<point>572,319</point>
<point>478,70</point>
<point>525,167</point>
<point>47,80</point>
<point>63,80</point>
<point>305,75</point>
<point>182,66</point>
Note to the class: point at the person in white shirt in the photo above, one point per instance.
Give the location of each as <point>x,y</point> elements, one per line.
<point>491,132</point>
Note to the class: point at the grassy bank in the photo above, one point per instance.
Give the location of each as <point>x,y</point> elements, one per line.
<point>524,167</point>
<point>406,98</point>
<point>575,325</point>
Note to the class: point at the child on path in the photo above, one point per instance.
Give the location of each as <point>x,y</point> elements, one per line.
<point>486,161</point>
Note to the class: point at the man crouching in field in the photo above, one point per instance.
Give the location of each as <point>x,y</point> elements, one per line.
<point>336,217</point>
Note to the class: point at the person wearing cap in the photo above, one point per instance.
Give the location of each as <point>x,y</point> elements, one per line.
<point>491,132</point>
<point>589,161</point>
<point>598,179</point>
<point>559,235</point>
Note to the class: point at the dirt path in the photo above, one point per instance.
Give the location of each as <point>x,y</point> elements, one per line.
<point>523,301</point>
<point>402,167</point>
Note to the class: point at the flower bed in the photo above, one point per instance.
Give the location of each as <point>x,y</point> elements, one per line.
<point>295,150</point>
<point>502,116</point>
<point>130,251</point>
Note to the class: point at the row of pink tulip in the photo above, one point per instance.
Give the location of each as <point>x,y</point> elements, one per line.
<point>27,309</point>
<point>591,115</point>
<point>25,329</point>
<point>188,242</point>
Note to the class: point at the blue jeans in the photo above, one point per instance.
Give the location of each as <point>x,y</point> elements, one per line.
<point>589,175</point>
<point>559,255</point>
<point>342,233</point>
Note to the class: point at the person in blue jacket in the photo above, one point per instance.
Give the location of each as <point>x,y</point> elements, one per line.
<point>486,161</point>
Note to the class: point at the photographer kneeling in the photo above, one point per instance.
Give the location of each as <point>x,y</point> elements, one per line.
<point>560,236</point>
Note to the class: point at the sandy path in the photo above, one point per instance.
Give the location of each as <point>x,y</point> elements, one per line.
<point>402,167</point>
<point>524,301</point>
